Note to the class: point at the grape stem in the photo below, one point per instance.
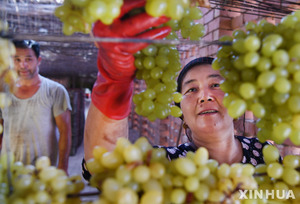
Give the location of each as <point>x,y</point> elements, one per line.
<point>83,194</point>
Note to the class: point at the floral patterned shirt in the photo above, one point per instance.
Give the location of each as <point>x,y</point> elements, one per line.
<point>252,150</point>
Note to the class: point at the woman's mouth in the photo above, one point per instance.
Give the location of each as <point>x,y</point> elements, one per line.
<point>208,112</point>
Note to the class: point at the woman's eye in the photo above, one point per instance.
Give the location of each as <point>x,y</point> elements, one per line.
<point>191,90</point>
<point>216,85</point>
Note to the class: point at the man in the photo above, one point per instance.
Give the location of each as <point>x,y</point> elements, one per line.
<point>39,105</point>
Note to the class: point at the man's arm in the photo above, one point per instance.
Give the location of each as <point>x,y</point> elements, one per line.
<point>63,122</point>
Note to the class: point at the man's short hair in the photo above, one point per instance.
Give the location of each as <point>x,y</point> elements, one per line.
<point>28,44</point>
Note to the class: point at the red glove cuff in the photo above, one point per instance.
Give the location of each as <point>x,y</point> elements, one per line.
<point>112,98</point>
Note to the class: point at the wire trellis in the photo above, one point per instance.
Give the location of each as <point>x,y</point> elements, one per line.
<point>263,8</point>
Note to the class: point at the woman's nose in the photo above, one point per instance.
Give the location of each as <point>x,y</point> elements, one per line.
<point>205,96</point>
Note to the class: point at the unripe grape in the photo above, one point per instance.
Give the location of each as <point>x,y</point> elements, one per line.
<point>152,197</point>
<point>247,90</point>
<point>294,103</point>
<point>252,43</point>
<point>185,166</point>
<point>282,85</point>
<point>236,108</point>
<point>263,64</point>
<point>258,110</point>
<point>275,170</point>
<point>175,111</point>
<point>266,79</point>
<point>275,39</point>
<point>271,153</point>
<point>111,160</point>
<point>132,153</point>
<point>42,162</point>
<point>177,97</point>
<point>238,45</point>
<point>127,195</point>
<point>141,174</point>
<point>292,161</point>
<point>295,136</point>
<point>290,176</point>
<point>280,58</point>
<point>268,49</point>
<point>156,8</point>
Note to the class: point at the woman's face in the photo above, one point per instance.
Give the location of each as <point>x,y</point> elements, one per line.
<point>202,105</point>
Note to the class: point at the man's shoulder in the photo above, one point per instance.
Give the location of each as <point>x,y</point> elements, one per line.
<point>51,83</point>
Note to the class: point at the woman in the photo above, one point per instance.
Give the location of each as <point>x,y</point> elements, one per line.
<point>205,116</point>
<point>206,120</point>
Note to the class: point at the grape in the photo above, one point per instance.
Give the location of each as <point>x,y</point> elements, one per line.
<point>175,111</point>
<point>275,170</point>
<point>271,153</point>
<point>247,90</point>
<point>111,160</point>
<point>132,153</point>
<point>185,166</point>
<point>291,176</point>
<point>237,108</point>
<point>291,161</point>
<point>178,196</point>
<point>280,58</point>
<point>156,8</point>
<point>252,43</point>
<point>38,184</point>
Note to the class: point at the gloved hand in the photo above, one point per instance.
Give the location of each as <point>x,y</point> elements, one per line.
<point>113,89</point>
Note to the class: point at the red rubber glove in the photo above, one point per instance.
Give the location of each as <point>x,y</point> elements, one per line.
<point>113,89</point>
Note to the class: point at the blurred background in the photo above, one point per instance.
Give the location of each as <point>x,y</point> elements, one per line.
<point>73,63</point>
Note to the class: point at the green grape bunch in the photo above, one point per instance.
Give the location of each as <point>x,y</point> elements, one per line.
<point>39,183</point>
<point>79,15</point>
<point>279,174</point>
<point>157,65</point>
<point>139,173</point>
<point>8,75</point>
<point>262,72</point>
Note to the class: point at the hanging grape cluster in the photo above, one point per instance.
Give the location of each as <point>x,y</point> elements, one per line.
<point>8,76</point>
<point>79,15</point>
<point>39,183</point>
<point>158,66</point>
<point>138,173</point>
<point>262,72</point>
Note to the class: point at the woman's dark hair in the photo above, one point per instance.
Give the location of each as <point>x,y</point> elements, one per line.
<point>28,44</point>
<point>190,65</point>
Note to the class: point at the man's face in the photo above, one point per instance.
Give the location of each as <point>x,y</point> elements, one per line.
<point>26,63</point>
